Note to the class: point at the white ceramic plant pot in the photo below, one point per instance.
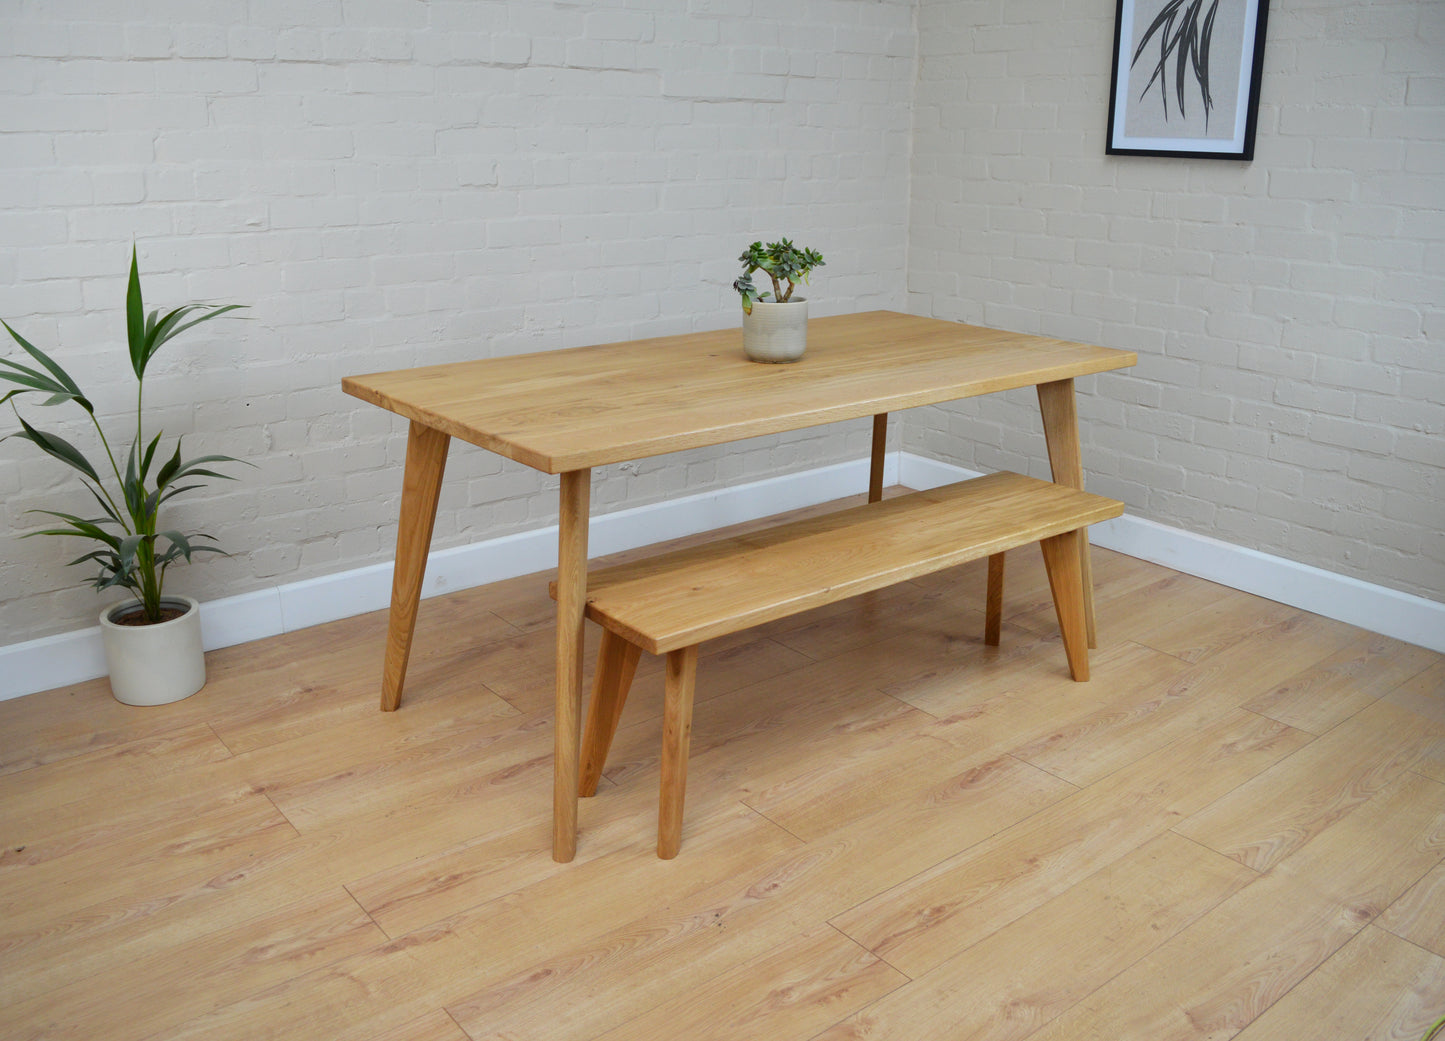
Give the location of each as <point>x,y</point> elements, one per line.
<point>154,664</point>
<point>776,332</point>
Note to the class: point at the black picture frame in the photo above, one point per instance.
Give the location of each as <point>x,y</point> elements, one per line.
<point>1188,82</point>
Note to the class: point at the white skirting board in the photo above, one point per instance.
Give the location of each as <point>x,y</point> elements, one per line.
<point>56,661</point>
<point>1413,619</point>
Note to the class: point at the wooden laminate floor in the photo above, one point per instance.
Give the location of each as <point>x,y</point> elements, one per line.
<point>1236,829</point>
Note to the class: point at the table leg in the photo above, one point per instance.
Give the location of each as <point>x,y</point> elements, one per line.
<point>1061,434</point>
<point>880,449</point>
<point>426,458</point>
<point>571,608</point>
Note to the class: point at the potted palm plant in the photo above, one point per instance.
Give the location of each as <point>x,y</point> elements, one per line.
<point>152,642</point>
<point>775,325</point>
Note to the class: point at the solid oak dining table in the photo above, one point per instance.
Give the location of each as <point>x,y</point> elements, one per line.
<point>567,411</point>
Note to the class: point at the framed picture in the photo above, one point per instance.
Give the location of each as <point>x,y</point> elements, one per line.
<point>1186,78</point>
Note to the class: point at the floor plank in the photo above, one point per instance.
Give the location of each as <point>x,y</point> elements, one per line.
<point>966,897</point>
<point>1419,915</point>
<point>1271,815</point>
<point>434,1026</point>
<point>1017,979</point>
<point>1227,619</point>
<point>1405,995</point>
<point>1160,702</point>
<point>165,986</point>
<point>892,831</point>
<point>1218,976</point>
<point>746,912</point>
<point>793,990</point>
<point>1325,695</point>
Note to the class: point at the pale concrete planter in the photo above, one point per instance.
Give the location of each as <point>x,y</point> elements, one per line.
<point>776,332</point>
<point>154,664</point>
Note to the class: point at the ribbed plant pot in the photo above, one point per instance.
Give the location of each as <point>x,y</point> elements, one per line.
<point>154,664</point>
<point>776,332</point>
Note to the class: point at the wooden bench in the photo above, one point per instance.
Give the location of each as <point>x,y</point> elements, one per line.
<point>670,603</point>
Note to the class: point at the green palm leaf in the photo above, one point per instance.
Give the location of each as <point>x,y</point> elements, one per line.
<point>135,319</point>
<point>90,529</point>
<point>145,463</point>
<point>58,447</point>
<point>59,385</point>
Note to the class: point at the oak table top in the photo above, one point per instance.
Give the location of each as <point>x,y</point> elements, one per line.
<point>590,406</point>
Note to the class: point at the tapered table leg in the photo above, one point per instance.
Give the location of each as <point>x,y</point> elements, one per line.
<point>880,450</point>
<point>1061,434</point>
<point>426,458</point>
<point>571,607</point>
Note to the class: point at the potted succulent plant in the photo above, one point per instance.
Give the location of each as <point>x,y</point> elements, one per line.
<point>152,643</point>
<point>775,325</point>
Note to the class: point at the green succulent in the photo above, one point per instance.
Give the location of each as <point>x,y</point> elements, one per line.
<point>782,262</point>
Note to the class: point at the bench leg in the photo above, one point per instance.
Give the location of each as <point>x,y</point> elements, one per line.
<point>616,665</point>
<point>1066,581</point>
<point>993,611</point>
<point>676,733</point>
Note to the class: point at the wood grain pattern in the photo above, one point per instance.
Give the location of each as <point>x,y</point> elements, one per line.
<point>426,458</point>
<point>874,769</point>
<point>790,991</point>
<point>1060,415</point>
<point>1284,808</point>
<point>1014,981</point>
<point>1225,620</point>
<point>726,585</point>
<point>1167,700</point>
<point>1419,915</point>
<point>917,925</point>
<point>274,857</point>
<point>1331,691</point>
<point>676,738</point>
<point>1063,558</point>
<point>272,948</point>
<point>572,525</point>
<point>1405,995</point>
<point>616,666</point>
<point>434,1026</point>
<point>1219,976</point>
<point>679,599</point>
<point>1424,695</point>
<point>567,410</point>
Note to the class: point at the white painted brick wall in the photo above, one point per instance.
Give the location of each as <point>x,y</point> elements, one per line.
<point>1289,313</point>
<point>390,183</point>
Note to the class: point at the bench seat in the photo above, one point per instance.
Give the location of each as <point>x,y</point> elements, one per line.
<point>668,604</point>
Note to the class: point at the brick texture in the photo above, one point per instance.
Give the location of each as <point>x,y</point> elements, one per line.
<point>390,183</point>
<point>1290,392</point>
